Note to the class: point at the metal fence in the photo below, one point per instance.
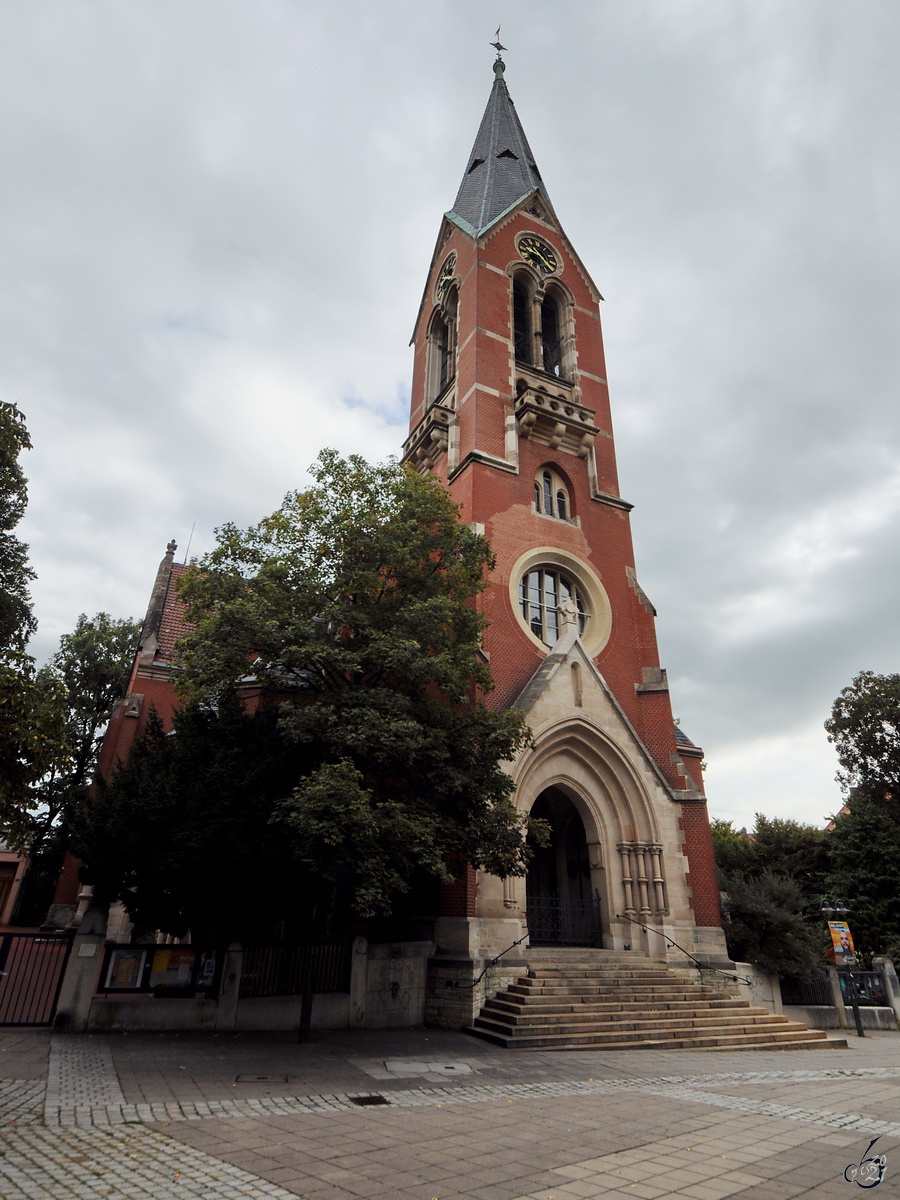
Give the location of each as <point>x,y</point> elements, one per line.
<point>556,922</point>
<point>806,991</point>
<point>31,974</point>
<point>289,970</point>
<point>869,989</point>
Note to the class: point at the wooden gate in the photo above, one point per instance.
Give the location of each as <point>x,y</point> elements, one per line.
<point>31,974</point>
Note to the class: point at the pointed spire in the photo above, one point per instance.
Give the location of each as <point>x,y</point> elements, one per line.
<point>501,168</point>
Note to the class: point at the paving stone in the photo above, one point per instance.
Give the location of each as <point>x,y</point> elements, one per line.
<point>566,1125</point>
<point>55,1164</point>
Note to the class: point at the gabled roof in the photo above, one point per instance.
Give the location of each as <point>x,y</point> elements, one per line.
<point>174,624</point>
<point>165,621</point>
<point>567,649</point>
<point>501,169</point>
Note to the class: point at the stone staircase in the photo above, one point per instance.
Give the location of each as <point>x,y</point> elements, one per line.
<point>624,1000</point>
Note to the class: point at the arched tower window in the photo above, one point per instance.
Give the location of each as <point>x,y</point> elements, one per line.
<point>551,335</point>
<point>441,346</point>
<point>551,496</point>
<point>442,349</point>
<point>547,482</point>
<point>522,322</point>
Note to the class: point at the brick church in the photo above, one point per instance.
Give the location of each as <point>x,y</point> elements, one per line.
<point>510,409</point>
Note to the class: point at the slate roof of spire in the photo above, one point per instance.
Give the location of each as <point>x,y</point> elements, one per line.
<point>682,739</point>
<point>501,169</point>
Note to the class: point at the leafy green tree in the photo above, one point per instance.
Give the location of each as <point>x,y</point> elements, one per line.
<point>864,727</point>
<point>734,849</point>
<point>88,673</point>
<point>32,740</point>
<point>64,708</point>
<point>182,832</point>
<point>780,870</point>
<point>94,663</point>
<point>790,848</point>
<point>17,621</point>
<point>865,852</point>
<point>764,925</point>
<point>32,733</point>
<point>353,607</point>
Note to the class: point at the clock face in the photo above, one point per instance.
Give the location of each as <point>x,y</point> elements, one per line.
<point>538,254</point>
<point>445,278</point>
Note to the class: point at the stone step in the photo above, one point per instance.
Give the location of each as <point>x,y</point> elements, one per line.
<point>633,1031</point>
<point>614,979</point>
<point>614,1023</point>
<point>613,993</point>
<point>543,1012</point>
<point>603,1003</point>
<point>593,953</point>
<point>807,1039</point>
<point>580,999</point>
<point>552,977</point>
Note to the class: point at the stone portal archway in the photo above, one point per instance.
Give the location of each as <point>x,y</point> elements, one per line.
<point>562,908</point>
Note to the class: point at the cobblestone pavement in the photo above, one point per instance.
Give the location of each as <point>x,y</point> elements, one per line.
<point>259,1116</point>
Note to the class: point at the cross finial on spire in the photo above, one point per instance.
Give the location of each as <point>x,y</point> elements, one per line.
<point>496,44</point>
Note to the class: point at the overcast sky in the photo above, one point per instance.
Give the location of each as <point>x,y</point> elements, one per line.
<point>215,221</point>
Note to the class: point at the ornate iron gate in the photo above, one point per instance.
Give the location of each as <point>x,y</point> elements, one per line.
<point>31,974</point>
<point>556,922</point>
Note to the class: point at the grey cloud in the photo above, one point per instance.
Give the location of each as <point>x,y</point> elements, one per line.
<point>214,228</point>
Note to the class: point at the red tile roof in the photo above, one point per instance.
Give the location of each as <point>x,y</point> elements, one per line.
<point>173,624</point>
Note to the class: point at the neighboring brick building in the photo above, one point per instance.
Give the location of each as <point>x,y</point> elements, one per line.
<point>150,687</point>
<point>510,408</point>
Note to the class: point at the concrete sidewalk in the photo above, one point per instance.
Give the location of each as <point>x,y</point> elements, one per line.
<point>442,1116</point>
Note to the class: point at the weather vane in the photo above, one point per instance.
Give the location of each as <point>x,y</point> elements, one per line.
<point>496,44</point>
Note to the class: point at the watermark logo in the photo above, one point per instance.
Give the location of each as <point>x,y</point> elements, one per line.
<point>869,1171</point>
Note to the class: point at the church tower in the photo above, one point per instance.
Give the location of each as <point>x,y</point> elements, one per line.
<point>510,409</point>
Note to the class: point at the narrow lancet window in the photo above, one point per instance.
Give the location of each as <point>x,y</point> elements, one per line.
<point>551,336</point>
<point>548,493</point>
<point>522,322</point>
<point>442,344</point>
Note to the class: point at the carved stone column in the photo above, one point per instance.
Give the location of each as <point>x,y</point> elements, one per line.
<point>659,883</point>
<point>638,851</point>
<point>624,849</point>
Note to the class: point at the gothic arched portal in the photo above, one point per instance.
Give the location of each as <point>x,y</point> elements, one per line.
<point>562,908</point>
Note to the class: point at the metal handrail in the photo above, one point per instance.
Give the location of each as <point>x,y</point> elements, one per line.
<point>492,962</point>
<point>670,941</point>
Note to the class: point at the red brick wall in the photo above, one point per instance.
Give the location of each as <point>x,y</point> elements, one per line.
<point>701,877</point>
<point>502,501</point>
<point>67,885</point>
<point>458,897</point>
